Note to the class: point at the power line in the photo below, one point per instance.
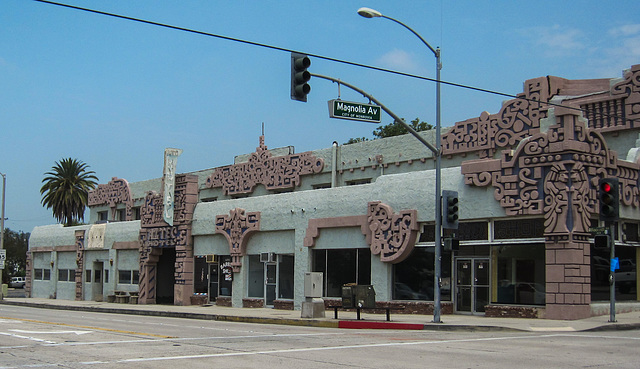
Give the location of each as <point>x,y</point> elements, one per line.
<point>267,46</point>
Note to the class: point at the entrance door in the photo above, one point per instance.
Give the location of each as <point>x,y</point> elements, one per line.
<point>214,281</point>
<point>472,284</point>
<point>270,282</point>
<point>97,281</point>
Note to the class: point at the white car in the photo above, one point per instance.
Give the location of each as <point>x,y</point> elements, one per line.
<point>17,282</point>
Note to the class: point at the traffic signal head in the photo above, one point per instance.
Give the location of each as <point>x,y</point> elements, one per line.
<point>450,209</point>
<point>300,76</point>
<point>609,199</point>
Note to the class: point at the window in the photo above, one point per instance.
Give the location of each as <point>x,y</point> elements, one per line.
<point>521,274</point>
<point>285,277</point>
<point>87,275</point>
<point>625,277</point>
<point>103,216</point>
<point>321,186</point>
<point>359,182</point>
<point>66,275</point>
<point>42,274</point>
<point>121,214</point>
<point>342,266</point>
<point>128,276</point>
<point>135,213</point>
<point>256,276</point>
<point>413,278</point>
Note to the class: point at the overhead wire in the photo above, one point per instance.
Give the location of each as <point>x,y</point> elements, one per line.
<point>322,57</point>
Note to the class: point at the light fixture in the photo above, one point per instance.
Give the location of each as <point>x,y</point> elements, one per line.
<point>369,13</point>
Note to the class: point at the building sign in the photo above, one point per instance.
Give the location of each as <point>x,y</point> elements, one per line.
<point>354,111</point>
<point>170,163</point>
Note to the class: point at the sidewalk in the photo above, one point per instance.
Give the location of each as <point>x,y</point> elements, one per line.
<point>347,319</point>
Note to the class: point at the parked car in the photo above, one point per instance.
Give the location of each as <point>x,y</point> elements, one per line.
<point>17,282</point>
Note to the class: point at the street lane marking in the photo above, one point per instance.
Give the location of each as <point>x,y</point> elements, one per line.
<point>27,338</point>
<point>552,329</point>
<point>89,327</point>
<point>49,332</point>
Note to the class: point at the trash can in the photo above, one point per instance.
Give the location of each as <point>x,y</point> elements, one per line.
<point>358,296</point>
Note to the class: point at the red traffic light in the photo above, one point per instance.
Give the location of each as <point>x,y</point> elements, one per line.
<point>609,199</point>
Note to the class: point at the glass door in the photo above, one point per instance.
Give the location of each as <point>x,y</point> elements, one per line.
<point>214,283</point>
<point>472,284</point>
<point>270,282</point>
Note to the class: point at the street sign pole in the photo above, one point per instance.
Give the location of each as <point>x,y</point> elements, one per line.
<point>612,274</point>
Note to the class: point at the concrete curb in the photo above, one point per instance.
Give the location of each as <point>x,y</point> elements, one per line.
<point>347,324</point>
<point>183,315</point>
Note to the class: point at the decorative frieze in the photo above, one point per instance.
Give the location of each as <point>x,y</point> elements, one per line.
<point>115,192</point>
<point>236,227</point>
<point>282,172</point>
<point>390,235</point>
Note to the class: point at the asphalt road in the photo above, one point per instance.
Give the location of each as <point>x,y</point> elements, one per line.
<point>31,337</point>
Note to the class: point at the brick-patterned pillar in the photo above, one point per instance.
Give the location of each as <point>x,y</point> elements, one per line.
<point>568,284</point>
<point>79,264</point>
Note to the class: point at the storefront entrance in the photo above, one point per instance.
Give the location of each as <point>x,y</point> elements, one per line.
<point>472,278</point>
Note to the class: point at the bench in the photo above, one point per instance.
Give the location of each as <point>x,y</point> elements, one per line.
<point>358,309</point>
<point>122,297</point>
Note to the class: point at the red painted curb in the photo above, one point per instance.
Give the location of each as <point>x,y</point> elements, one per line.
<point>378,325</point>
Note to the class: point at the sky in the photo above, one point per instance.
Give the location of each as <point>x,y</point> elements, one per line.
<point>115,93</point>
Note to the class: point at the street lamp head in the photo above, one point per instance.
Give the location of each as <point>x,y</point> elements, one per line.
<point>369,13</point>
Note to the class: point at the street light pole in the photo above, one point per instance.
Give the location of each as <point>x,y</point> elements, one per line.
<point>4,185</point>
<point>371,13</point>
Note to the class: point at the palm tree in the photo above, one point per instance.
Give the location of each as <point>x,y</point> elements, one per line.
<point>66,190</point>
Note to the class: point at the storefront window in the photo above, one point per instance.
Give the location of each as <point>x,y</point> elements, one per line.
<point>285,276</point>
<point>342,266</point>
<point>256,276</point>
<point>521,274</point>
<point>626,276</point>
<point>413,278</point>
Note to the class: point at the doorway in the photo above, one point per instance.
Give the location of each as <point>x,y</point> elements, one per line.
<point>97,286</point>
<point>214,281</point>
<point>165,279</point>
<point>472,284</point>
<point>270,283</point>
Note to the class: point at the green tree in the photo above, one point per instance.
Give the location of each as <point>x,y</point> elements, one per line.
<point>16,244</point>
<point>397,129</point>
<point>66,189</point>
<point>394,129</point>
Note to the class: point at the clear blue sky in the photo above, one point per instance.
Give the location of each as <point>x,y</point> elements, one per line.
<point>114,93</point>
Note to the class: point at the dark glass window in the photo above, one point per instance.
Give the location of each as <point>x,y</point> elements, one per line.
<point>342,266</point>
<point>626,276</point>
<point>285,277</point>
<point>413,278</point>
<point>521,274</point>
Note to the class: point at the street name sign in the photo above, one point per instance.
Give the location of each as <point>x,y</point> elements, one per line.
<point>354,111</point>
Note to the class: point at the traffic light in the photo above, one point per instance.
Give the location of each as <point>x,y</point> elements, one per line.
<point>450,207</point>
<point>601,241</point>
<point>300,76</point>
<point>609,199</point>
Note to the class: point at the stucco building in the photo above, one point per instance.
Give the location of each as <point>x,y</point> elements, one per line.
<point>245,234</point>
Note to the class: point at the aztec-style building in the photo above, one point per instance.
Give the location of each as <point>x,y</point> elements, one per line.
<point>244,235</point>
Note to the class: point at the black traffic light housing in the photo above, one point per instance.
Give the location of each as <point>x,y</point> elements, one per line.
<point>300,76</point>
<point>609,199</point>
<point>450,209</point>
<point>601,241</point>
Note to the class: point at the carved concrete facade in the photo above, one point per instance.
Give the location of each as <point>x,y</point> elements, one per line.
<point>363,213</point>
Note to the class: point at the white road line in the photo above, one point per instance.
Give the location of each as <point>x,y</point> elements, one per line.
<point>49,332</point>
<point>27,338</point>
<point>115,342</point>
